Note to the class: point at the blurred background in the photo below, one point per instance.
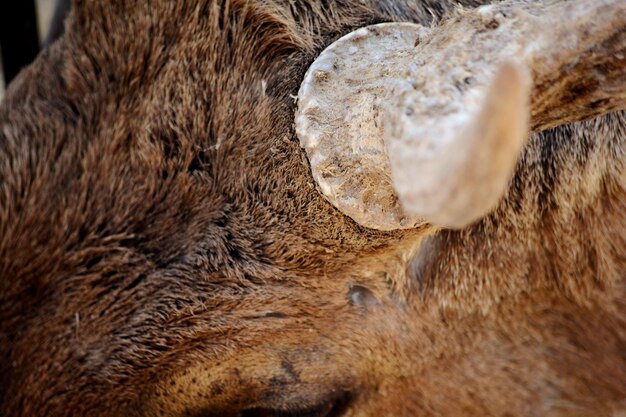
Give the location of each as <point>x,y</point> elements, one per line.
<point>17,14</point>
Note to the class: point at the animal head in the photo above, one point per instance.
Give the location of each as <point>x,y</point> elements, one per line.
<point>222,208</point>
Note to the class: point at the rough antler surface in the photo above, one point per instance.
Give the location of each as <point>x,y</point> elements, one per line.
<point>456,117</point>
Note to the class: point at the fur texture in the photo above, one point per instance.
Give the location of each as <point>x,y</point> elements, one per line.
<point>164,251</point>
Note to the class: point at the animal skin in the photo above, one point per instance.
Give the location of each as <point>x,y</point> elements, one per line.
<point>164,250</point>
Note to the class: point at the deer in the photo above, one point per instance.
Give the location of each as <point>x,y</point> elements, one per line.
<point>249,208</point>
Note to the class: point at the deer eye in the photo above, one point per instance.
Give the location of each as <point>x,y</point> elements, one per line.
<point>328,409</point>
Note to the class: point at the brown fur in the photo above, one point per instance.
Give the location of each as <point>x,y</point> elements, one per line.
<point>163,250</point>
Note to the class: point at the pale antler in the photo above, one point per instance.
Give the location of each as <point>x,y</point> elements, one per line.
<point>441,113</point>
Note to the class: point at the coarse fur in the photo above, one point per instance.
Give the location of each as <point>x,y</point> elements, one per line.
<point>164,251</point>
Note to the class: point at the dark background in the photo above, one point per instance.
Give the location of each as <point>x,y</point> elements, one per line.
<point>26,26</point>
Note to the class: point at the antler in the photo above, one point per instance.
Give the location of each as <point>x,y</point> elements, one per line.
<point>434,119</point>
